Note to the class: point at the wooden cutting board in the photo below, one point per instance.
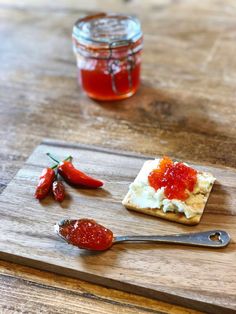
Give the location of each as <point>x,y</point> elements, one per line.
<point>199,278</point>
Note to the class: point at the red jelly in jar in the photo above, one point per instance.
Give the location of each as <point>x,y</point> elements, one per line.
<point>108,51</point>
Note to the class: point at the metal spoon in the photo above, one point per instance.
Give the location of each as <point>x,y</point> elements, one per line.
<point>212,238</point>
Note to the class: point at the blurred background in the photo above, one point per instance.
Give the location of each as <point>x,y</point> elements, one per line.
<point>186,103</point>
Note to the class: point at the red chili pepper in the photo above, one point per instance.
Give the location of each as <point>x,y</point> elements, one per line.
<point>76,177</point>
<point>45,183</point>
<point>58,190</point>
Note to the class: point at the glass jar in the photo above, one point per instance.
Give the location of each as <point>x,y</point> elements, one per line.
<point>108,51</point>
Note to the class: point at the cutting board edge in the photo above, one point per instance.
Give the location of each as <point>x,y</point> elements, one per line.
<point>118,285</point>
<point>116,151</point>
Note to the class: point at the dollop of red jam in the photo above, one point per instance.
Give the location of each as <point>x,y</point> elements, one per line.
<point>177,179</point>
<point>87,234</point>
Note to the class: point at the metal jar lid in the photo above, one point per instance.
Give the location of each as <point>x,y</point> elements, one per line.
<point>106,30</point>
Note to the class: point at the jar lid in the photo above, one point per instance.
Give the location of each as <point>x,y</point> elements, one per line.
<point>107,30</point>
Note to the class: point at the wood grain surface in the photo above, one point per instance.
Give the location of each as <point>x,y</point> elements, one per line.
<point>185,107</point>
<point>179,274</point>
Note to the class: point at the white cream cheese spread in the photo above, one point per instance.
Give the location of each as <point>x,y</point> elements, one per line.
<point>143,195</point>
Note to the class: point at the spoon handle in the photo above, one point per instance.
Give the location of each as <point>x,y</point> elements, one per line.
<point>212,238</point>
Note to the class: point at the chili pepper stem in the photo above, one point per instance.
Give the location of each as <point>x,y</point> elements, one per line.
<point>54,167</point>
<point>54,159</point>
<point>68,158</point>
<point>57,161</point>
<point>56,175</point>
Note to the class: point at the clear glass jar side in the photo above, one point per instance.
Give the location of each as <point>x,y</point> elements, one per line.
<point>109,74</point>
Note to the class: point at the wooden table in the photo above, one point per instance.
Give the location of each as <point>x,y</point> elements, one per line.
<point>186,107</point>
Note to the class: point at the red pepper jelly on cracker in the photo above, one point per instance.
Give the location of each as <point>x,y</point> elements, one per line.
<point>177,179</point>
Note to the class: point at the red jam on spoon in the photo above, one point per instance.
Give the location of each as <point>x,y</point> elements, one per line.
<point>85,234</point>
<point>177,179</point>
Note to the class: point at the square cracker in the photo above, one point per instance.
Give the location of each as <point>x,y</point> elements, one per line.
<point>172,216</point>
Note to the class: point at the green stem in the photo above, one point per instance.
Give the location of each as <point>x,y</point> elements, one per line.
<point>68,158</point>
<point>55,166</point>
<point>54,159</point>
